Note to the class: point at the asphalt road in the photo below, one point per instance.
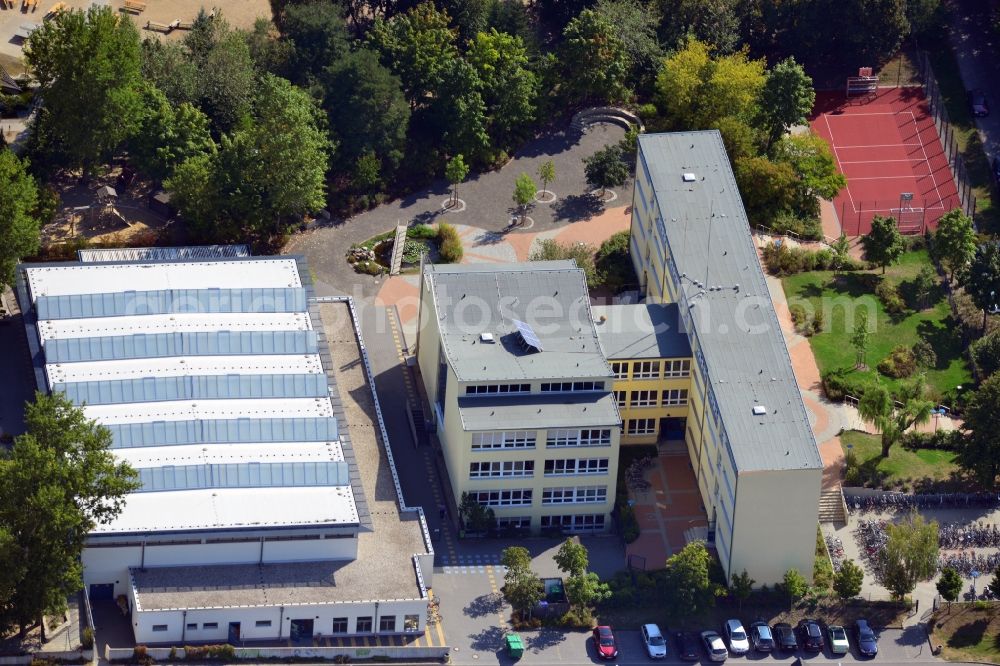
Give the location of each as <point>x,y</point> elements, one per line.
<point>977,49</point>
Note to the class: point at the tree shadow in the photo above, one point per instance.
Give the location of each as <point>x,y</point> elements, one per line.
<point>483,605</point>
<point>488,238</point>
<point>487,640</point>
<point>855,285</point>
<point>577,207</point>
<point>969,634</point>
<point>546,637</point>
<point>945,337</point>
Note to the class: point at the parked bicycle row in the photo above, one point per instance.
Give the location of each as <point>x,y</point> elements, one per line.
<point>872,533</point>
<point>635,474</point>
<point>901,501</point>
<point>872,538</point>
<point>966,562</point>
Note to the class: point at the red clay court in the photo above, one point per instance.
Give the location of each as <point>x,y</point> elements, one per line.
<point>886,145</point>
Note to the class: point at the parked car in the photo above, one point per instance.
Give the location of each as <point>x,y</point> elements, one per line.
<point>784,637</point>
<point>979,106</point>
<point>838,639</point>
<point>605,643</point>
<point>714,646</point>
<point>761,637</point>
<point>656,647</point>
<point>811,635</point>
<point>865,638</point>
<point>736,636</point>
<point>687,643</point>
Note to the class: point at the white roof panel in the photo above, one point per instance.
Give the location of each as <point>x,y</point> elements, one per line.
<point>173,323</point>
<point>175,367</point>
<point>180,410</point>
<point>193,454</point>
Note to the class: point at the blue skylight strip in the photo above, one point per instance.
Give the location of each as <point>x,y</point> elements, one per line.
<point>244,475</point>
<point>171,301</point>
<point>223,431</point>
<point>198,387</point>
<point>159,345</point>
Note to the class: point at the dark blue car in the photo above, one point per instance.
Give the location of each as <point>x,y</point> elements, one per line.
<point>865,638</point>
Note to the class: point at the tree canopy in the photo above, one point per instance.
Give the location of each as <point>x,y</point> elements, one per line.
<point>691,588</point>
<point>910,554</point>
<point>883,244</point>
<point>980,452</point>
<point>595,61</point>
<point>606,168</point>
<point>982,279</point>
<point>954,241</point>
<point>877,405</point>
<point>508,87</point>
<point>847,582</point>
<point>18,220</point>
<point>786,99</point>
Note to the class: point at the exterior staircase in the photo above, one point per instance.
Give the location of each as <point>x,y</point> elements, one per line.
<point>606,114</point>
<point>831,506</point>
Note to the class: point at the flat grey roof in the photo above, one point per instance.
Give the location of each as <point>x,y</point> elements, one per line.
<point>550,297</point>
<point>706,229</point>
<point>641,330</point>
<point>579,410</point>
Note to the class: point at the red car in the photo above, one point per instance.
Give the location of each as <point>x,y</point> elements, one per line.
<point>604,643</point>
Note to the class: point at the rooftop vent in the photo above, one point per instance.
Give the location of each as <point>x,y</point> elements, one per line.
<point>759,410</point>
<point>689,177</point>
<point>487,338</point>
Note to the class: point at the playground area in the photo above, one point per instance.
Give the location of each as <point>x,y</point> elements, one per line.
<point>886,144</point>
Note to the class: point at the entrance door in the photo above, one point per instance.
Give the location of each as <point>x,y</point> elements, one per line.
<point>102,592</point>
<point>234,632</point>
<point>672,428</point>
<point>301,630</point>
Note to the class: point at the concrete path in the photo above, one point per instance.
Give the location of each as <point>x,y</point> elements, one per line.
<point>975,43</point>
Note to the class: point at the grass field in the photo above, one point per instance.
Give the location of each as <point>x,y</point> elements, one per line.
<point>842,296</point>
<point>968,632</point>
<point>902,464</point>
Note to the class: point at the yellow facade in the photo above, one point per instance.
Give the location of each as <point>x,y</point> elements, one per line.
<point>647,392</point>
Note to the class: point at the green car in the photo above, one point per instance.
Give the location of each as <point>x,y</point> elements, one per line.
<point>838,639</point>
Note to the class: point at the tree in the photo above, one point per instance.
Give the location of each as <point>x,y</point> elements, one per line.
<point>813,163</point>
<point>270,54</point>
<point>170,67</point>
<point>883,245</point>
<point>367,110</point>
<point>228,82</point>
<point>522,588</point>
<point>167,135</point>
<point>954,241</point>
<point>980,452</point>
<point>18,222</point>
<point>455,171</point>
<point>741,587</point>
<point>524,194</point>
<point>475,516</point>
<point>206,29</point>
<point>457,113</point>
<point>418,46</point>
<point>796,586</point>
<point>635,24</point>
<point>318,36</point>
<point>714,22</point>
<point>606,168</point>
<point>584,590</point>
<point>87,67</point>
<point>785,100</point>
<point>847,582</point>
<point>694,89</point>
<point>547,172</point>
<point>688,580</point>
<point>549,249</point>
<point>613,262</point>
<point>57,484</point>
<point>910,554</point>
<point>594,60</point>
<point>923,15</point>
<point>994,585</point>
<point>470,17</point>
<point>367,173</point>
<point>924,285</point>
<point>572,557</point>
<point>508,86</point>
<point>982,279</point>
<point>877,405</point>
<point>986,354</point>
<point>860,338</point>
<point>949,585</point>
<point>768,188</point>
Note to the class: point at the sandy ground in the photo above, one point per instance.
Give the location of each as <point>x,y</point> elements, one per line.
<point>239,14</point>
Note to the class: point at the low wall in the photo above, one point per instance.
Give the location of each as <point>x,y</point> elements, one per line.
<point>73,655</point>
<point>326,653</point>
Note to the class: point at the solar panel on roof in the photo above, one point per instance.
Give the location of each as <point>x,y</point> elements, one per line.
<point>528,335</point>
<point>171,301</point>
<point>244,475</point>
<point>161,345</point>
<point>194,387</point>
<point>223,431</point>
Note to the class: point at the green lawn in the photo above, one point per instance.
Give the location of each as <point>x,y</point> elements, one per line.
<point>931,464</point>
<point>841,297</point>
<point>968,632</point>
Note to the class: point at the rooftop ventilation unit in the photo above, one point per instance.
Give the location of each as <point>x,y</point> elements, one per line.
<point>759,410</point>
<point>487,338</point>
<point>689,177</point>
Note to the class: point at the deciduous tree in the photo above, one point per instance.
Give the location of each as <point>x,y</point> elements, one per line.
<point>786,99</point>
<point>860,338</point>
<point>547,173</point>
<point>980,452</point>
<point>522,587</point>
<point>524,194</point>
<point>18,222</point>
<point>167,135</point>
<point>883,245</point>
<point>812,161</point>
<point>954,241</point>
<point>877,405</point>
<point>910,554</point>
<point>170,67</point>
<point>457,114</point>
<point>690,587</point>
<point>594,60</point>
<point>572,557</point>
<point>714,22</point>
<point>949,585</point>
<point>847,582</point>
<point>796,586</point>
<point>606,168</point>
<point>508,87</point>
<point>455,171</point>
<point>768,188</point>
<point>228,82</point>
<point>635,24</point>
<point>982,279</point>
<point>317,34</point>
<point>741,587</point>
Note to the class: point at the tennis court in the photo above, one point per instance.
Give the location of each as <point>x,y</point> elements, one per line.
<point>887,146</point>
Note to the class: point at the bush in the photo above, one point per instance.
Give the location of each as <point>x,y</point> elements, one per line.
<point>783,259</point>
<point>899,363</point>
<point>369,267</point>
<point>583,254</point>
<point>629,523</point>
<point>449,244</point>
<point>817,322</point>
<point>87,638</point>
<point>614,263</point>
<point>839,383</point>
<point>422,232</point>
<point>789,223</point>
<point>888,293</point>
<point>412,251</point>
<point>577,620</point>
<point>944,440</point>
<point>925,355</point>
<point>798,312</point>
<point>648,112</point>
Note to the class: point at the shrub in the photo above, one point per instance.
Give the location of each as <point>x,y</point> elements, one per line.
<point>629,523</point>
<point>817,322</point>
<point>648,112</point>
<point>798,313</point>
<point>449,244</point>
<point>789,223</point>
<point>614,263</point>
<point>839,383</point>
<point>853,477</point>
<point>368,267</point>
<point>412,251</point>
<point>888,293</point>
<point>944,440</point>
<point>924,353</point>
<point>899,363</point>
<point>422,231</point>
<point>583,254</point>
<point>573,619</point>
<point>87,638</point>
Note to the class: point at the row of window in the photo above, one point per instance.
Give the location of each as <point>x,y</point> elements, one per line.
<point>668,398</point>
<point>577,523</point>
<point>362,625</point>
<point>567,387</point>
<point>484,389</point>
<point>558,438</point>
<point>525,439</point>
<point>525,496</point>
<point>652,369</point>
<point>640,427</point>
<point>498,469</point>
<point>548,387</point>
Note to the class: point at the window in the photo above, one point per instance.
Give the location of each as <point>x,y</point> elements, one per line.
<point>514,523</point>
<point>339,625</point>
<point>262,623</point>
<point>641,427</point>
<point>517,497</point>
<point>160,627</point>
<point>621,397</point>
<point>192,626</point>
<point>210,625</point>
<point>363,625</point>
<point>675,397</point>
<point>620,368</point>
<point>493,389</point>
<point>492,469</point>
<point>559,438</point>
<point>579,495</point>
<point>576,466</point>
<point>581,523</point>
<point>516,439</point>
<point>644,399</point>
<point>563,387</point>
<point>646,370</point>
<point>387,623</point>
<point>411,623</point>
<point>677,368</point>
